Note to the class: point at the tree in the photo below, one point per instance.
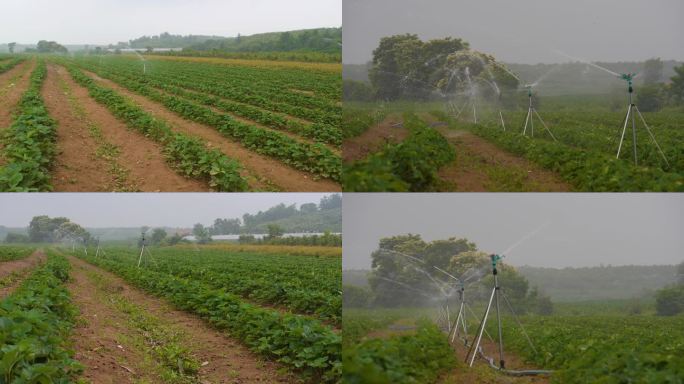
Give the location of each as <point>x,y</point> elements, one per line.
<point>149,49</point>
<point>677,85</point>
<point>330,202</point>
<point>42,229</point>
<point>274,231</point>
<point>653,71</point>
<point>175,239</point>
<point>650,98</point>
<point>201,234</point>
<point>45,46</point>
<point>11,47</point>
<point>158,235</point>
<point>16,238</point>
<point>680,273</point>
<point>308,208</point>
<point>226,226</point>
<point>670,300</point>
<point>355,297</point>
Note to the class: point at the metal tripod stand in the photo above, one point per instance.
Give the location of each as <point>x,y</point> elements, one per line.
<point>630,112</point>
<point>494,297</point>
<point>530,117</point>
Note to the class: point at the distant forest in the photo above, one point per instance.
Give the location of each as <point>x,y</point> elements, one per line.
<point>580,284</point>
<point>562,79</point>
<point>326,40</point>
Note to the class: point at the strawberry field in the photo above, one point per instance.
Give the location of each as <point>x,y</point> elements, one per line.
<point>285,309</point>
<point>222,126</point>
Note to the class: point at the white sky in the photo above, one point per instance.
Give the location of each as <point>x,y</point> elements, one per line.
<point>524,31</point>
<point>582,229</point>
<point>111,21</point>
<point>138,209</point>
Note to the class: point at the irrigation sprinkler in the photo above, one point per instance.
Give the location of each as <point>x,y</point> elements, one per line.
<point>530,111</point>
<point>631,107</point>
<point>629,77</point>
<point>144,250</point>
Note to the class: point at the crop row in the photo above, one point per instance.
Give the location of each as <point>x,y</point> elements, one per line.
<point>226,87</point>
<point>29,141</point>
<point>298,342</point>
<point>323,133</point>
<point>411,165</point>
<point>585,169</point>
<point>416,358</point>
<point>314,158</point>
<point>188,154</point>
<point>34,328</point>
<point>590,349</point>
<point>10,252</point>
<point>6,65</point>
<point>312,89</point>
<point>306,285</point>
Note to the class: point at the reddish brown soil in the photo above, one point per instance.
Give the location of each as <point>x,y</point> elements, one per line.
<point>284,177</point>
<point>76,168</point>
<point>142,157</point>
<point>373,139</point>
<point>475,155</point>
<point>21,267</point>
<point>227,360</point>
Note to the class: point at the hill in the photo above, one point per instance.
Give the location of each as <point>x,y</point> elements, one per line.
<point>599,283</point>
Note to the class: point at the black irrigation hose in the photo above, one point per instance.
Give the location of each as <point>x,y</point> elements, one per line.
<point>510,372</point>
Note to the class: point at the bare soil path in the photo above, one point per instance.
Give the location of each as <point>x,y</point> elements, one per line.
<point>261,167</point>
<point>374,139</point>
<point>16,270</point>
<point>97,338</point>
<point>481,166</point>
<point>77,166</point>
<point>143,158</point>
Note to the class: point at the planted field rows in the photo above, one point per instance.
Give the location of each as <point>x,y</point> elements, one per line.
<point>220,127</point>
<point>284,310</point>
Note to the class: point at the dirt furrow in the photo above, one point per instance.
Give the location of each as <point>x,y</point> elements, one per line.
<point>481,166</point>
<point>374,139</point>
<point>16,270</point>
<point>284,177</point>
<point>77,167</point>
<point>222,359</point>
<point>143,158</point>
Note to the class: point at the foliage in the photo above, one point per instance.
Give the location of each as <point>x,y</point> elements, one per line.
<point>158,235</point>
<point>9,64</point>
<point>355,297</point>
<point>651,98</point>
<point>236,97</point>
<point>409,165</point>
<point>677,85</point>
<point>670,300</point>
<point>202,234</point>
<point>29,142</point>
<point>357,91</point>
<point>45,46</point>
<point>44,229</point>
<point>16,238</point>
<point>299,342</point>
<point>9,252</point>
<point>653,71</point>
<point>35,323</point>
<point>327,239</point>
<point>418,358</point>
<point>274,231</point>
<point>591,349</point>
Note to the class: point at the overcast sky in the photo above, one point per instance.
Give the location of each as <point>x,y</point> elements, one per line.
<point>138,209</point>
<point>576,229</point>
<point>524,31</point>
<point>111,21</point>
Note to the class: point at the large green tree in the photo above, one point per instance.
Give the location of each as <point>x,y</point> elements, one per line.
<point>677,85</point>
<point>406,272</point>
<point>653,71</point>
